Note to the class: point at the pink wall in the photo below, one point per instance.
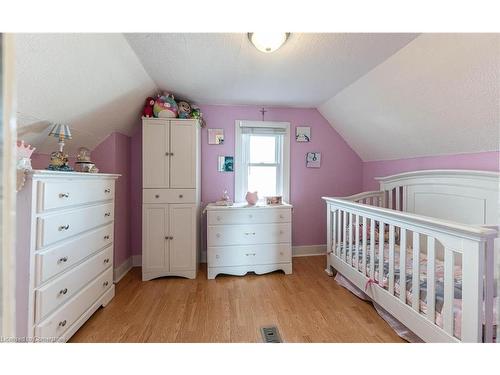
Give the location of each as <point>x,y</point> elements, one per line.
<point>488,161</point>
<point>113,156</point>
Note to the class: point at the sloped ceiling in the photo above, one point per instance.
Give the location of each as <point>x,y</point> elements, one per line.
<point>94,82</point>
<point>440,94</point>
<point>227,69</point>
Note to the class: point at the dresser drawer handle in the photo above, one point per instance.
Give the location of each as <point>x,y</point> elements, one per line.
<point>252,254</point>
<point>169,237</point>
<point>106,237</point>
<point>181,196</point>
<point>250,233</point>
<point>63,227</point>
<point>107,191</point>
<point>107,214</point>
<point>63,291</point>
<point>219,218</point>
<point>281,252</point>
<point>217,257</point>
<point>62,260</point>
<point>62,323</point>
<point>106,260</point>
<point>105,284</point>
<point>63,195</point>
<point>282,216</point>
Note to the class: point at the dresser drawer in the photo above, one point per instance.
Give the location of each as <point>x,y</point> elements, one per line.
<point>57,227</point>
<point>169,196</point>
<point>57,323</point>
<point>61,257</point>
<point>247,234</point>
<point>61,194</point>
<point>249,216</point>
<point>249,255</point>
<point>49,297</point>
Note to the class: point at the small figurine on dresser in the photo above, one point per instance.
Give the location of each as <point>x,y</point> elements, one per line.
<point>148,107</point>
<point>225,200</point>
<point>83,163</point>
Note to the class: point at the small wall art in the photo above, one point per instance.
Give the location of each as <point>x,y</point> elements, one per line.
<point>303,134</point>
<point>215,136</point>
<point>313,159</point>
<point>225,164</point>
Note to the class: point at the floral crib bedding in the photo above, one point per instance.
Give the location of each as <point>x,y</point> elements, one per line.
<point>439,280</point>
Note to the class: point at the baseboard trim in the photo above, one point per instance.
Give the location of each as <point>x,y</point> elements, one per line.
<point>136,260</point>
<point>122,270</point>
<point>308,250</point>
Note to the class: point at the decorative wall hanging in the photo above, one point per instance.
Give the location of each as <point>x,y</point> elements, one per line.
<point>313,159</point>
<point>215,136</point>
<point>225,164</point>
<point>303,134</point>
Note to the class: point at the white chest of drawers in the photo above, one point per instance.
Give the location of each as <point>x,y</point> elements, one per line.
<point>65,224</point>
<point>243,239</point>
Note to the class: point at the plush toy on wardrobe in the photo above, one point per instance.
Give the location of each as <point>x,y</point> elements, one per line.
<point>184,109</point>
<point>148,107</point>
<point>165,106</point>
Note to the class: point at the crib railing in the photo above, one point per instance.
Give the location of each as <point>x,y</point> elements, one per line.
<point>357,248</point>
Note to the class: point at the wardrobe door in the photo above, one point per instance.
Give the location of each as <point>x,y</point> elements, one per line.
<point>155,256</point>
<point>155,153</point>
<point>182,237</point>
<point>183,157</point>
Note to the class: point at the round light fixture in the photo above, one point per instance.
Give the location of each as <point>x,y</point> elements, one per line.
<point>268,42</point>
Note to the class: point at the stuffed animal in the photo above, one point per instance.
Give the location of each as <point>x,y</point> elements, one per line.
<point>148,107</point>
<point>165,106</point>
<point>184,109</point>
<point>196,113</point>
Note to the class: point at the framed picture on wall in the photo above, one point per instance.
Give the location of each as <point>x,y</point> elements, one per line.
<point>215,136</point>
<point>225,164</point>
<point>313,159</point>
<point>303,134</point>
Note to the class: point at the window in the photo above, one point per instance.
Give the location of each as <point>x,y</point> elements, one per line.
<point>262,159</point>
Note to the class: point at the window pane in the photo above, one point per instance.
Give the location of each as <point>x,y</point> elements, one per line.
<point>262,180</point>
<point>262,149</point>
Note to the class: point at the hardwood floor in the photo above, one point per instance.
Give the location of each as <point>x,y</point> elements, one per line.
<point>307,306</point>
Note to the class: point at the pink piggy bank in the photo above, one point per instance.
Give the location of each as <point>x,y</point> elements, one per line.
<point>252,198</point>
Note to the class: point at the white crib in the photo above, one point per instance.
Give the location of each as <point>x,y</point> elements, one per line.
<point>420,222</point>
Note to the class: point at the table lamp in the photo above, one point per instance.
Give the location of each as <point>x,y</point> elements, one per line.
<point>59,160</point>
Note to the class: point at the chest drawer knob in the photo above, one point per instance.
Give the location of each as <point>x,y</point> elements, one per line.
<point>106,260</point>
<point>250,233</point>
<point>63,291</point>
<point>157,196</point>
<point>217,256</point>
<point>63,195</point>
<point>250,216</point>
<point>107,191</point>
<point>62,323</point>
<point>250,254</point>
<point>62,260</point>
<point>181,196</point>
<point>217,235</point>
<point>63,227</point>
<point>281,252</point>
<point>282,216</point>
<point>106,237</point>
<point>105,284</point>
<point>107,214</point>
<point>281,231</point>
<point>219,218</point>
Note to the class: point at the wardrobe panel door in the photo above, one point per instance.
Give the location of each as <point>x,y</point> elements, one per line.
<point>155,225</point>
<point>182,237</point>
<point>155,154</point>
<point>183,158</point>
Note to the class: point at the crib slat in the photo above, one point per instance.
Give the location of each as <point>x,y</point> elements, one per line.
<point>381,253</point>
<point>391,259</point>
<point>489,284</point>
<point>402,265</point>
<point>403,200</point>
<point>390,200</point>
<point>351,239</point>
<point>332,228</point>
<point>398,200</point>
<point>339,233</point>
<point>431,279</point>
<point>344,237</point>
<point>372,248</point>
<point>356,247</point>
<point>363,265</point>
<point>415,281</point>
<point>449,291</point>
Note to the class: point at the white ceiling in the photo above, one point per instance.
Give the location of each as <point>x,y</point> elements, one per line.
<point>440,94</point>
<point>94,82</point>
<point>227,69</point>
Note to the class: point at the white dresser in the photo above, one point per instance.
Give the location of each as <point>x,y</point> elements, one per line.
<point>171,197</point>
<point>65,251</point>
<point>242,239</point>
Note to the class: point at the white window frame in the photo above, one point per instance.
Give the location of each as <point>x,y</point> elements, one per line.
<point>240,167</point>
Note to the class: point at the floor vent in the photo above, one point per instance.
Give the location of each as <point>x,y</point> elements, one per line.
<point>270,334</point>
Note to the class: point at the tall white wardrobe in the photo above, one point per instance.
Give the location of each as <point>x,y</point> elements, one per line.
<point>170,197</point>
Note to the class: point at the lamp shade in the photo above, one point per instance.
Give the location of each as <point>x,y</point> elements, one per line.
<point>60,131</point>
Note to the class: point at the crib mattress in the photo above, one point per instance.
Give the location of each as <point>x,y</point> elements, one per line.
<point>439,281</point>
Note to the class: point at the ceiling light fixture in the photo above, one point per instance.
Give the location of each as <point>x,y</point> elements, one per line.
<point>268,42</point>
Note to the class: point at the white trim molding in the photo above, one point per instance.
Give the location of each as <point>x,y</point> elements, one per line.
<point>308,250</point>
<point>136,260</point>
<point>120,271</point>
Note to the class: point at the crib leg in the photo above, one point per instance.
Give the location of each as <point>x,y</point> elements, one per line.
<point>330,271</point>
